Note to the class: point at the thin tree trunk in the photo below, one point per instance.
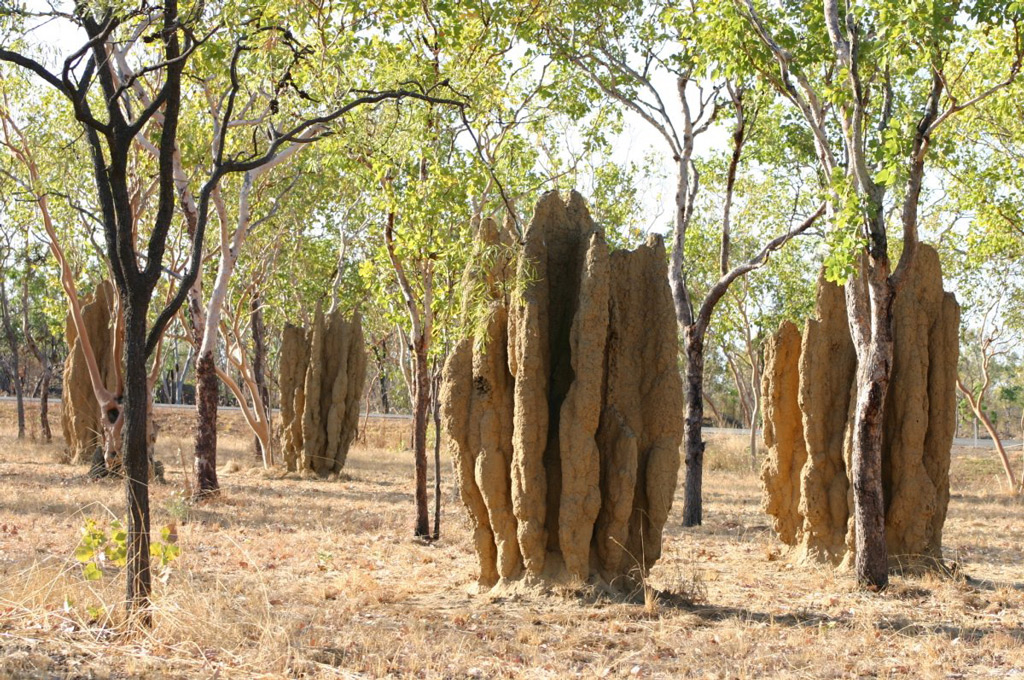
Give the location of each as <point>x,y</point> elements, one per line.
<point>379,354</point>
<point>12,343</point>
<point>259,353</point>
<point>437,455</point>
<point>1007,466</point>
<point>206,426</point>
<point>753,432</point>
<point>693,440</point>
<point>755,389</point>
<point>44,405</point>
<point>975,403</point>
<point>742,388</point>
<point>716,415</point>
<point>420,415</point>
<point>136,460</point>
<point>179,385</point>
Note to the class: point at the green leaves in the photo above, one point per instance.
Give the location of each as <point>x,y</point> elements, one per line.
<point>108,547</point>
<point>91,572</point>
<point>841,261</point>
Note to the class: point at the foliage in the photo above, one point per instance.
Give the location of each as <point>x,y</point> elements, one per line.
<point>103,547</point>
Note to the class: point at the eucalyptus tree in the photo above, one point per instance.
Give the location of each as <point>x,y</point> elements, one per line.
<point>660,62</point>
<point>113,118</point>
<point>302,76</point>
<point>977,375</point>
<point>423,206</point>
<point>8,320</point>
<point>982,245</point>
<point>874,83</point>
<point>39,329</point>
<point>110,132</point>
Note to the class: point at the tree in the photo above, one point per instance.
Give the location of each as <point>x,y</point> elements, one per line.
<point>872,83</point>
<point>110,142</point>
<point>627,51</point>
<point>7,319</point>
<point>43,347</point>
<point>990,345</point>
<point>85,80</point>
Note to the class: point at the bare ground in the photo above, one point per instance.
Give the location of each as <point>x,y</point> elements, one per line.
<point>297,578</point>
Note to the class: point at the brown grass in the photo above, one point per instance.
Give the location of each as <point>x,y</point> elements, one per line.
<point>295,578</point>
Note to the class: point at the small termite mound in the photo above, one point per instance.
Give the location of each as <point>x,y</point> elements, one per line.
<point>807,390</point>
<point>80,412</point>
<point>322,375</point>
<point>564,406</point>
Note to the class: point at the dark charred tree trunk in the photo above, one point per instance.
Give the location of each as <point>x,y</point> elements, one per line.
<point>207,392</point>
<point>259,360</point>
<point>419,436</point>
<point>693,440</point>
<point>13,345</point>
<point>136,459</point>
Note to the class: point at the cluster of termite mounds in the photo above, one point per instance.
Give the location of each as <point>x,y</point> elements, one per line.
<point>323,370</point>
<point>563,407</point>
<point>808,389</point>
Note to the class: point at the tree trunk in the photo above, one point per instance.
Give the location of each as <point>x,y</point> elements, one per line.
<point>419,439</point>
<point>693,440</point>
<point>19,391</point>
<point>755,385</point>
<point>379,353</point>
<point>12,343</point>
<point>742,390</point>
<point>975,404</point>
<point>874,344</point>
<point>179,385</point>
<point>991,429</point>
<point>437,455</point>
<point>135,460</point>
<point>206,427</point>
<point>259,354</point>
<point>44,405</point>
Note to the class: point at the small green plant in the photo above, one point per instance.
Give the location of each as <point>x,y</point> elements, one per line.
<point>178,506</point>
<point>97,548</point>
<point>101,547</point>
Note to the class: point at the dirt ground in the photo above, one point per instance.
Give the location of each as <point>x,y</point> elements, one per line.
<point>296,578</point>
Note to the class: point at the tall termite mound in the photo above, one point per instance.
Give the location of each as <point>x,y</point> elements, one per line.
<point>807,390</point>
<point>322,375</point>
<point>80,412</point>
<point>564,406</point>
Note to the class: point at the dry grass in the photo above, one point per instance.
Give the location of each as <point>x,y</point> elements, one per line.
<point>295,578</point>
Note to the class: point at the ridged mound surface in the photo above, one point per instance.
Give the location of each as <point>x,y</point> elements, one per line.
<point>564,408</point>
<point>806,480</point>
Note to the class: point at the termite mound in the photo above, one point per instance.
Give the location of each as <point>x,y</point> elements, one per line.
<point>80,412</point>
<point>563,406</point>
<point>323,370</point>
<point>807,390</point>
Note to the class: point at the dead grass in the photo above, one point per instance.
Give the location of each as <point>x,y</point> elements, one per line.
<point>293,578</point>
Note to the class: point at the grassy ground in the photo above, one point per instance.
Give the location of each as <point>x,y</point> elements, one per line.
<point>295,578</point>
